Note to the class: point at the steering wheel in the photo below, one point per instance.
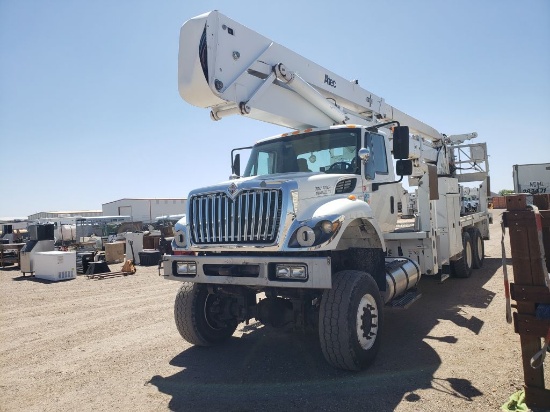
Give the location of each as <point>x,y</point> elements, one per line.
<point>339,167</point>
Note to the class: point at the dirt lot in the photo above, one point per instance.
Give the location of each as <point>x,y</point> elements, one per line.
<point>112,344</point>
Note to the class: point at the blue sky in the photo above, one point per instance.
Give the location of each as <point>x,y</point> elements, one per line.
<point>90,110</point>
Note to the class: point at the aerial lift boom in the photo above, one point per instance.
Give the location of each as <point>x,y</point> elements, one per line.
<point>235,70</point>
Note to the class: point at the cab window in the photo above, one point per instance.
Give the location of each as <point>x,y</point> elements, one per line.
<point>377,163</point>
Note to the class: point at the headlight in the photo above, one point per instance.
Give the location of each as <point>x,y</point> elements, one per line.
<point>291,271</point>
<point>326,226</point>
<point>314,233</point>
<point>305,236</point>
<point>186,268</point>
<point>180,239</point>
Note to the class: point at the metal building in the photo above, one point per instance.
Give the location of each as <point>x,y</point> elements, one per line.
<point>144,209</point>
<point>64,214</point>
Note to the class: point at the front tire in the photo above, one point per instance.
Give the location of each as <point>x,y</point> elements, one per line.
<point>200,317</point>
<point>350,320</point>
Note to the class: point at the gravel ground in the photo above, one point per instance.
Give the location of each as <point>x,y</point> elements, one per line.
<point>111,344</point>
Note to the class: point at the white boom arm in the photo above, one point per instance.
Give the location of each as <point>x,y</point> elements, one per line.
<point>231,69</point>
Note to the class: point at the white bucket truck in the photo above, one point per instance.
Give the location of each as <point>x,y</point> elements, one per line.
<point>305,235</point>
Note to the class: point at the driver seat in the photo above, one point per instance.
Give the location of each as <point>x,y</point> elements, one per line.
<point>302,165</point>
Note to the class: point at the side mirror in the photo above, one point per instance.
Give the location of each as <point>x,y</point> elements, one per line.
<point>401,142</point>
<point>236,165</point>
<point>364,154</point>
<point>404,167</point>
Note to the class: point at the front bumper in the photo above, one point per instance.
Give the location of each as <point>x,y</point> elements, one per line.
<point>249,270</point>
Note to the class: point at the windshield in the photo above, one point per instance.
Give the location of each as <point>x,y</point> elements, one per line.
<point>327,151</point>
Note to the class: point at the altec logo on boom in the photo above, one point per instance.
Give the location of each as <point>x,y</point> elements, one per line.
<point>330,81</point>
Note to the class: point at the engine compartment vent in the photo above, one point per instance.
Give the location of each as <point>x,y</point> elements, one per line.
<point>345,186</point>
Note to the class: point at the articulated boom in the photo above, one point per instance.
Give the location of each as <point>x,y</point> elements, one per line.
<point>234,70</point>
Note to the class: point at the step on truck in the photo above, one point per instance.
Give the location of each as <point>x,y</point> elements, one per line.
<point>307,234</point>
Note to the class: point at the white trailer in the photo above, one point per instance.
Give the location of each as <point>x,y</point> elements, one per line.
<point>532,178</point>
<point>311,221</point>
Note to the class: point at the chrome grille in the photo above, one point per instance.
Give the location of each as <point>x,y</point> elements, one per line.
<point>251,218</point>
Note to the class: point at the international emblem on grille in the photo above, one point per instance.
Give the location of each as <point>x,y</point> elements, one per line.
<point>232,190</point>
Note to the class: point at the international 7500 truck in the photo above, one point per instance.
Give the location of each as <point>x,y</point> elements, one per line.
<point>307,234</point>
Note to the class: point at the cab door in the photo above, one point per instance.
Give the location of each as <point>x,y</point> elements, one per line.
<point>379,169</point>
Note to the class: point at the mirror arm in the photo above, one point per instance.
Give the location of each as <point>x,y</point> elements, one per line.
<point>375,186</point>
<point>377,126</point>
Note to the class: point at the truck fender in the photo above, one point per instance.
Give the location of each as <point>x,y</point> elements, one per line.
<point>358,228</point>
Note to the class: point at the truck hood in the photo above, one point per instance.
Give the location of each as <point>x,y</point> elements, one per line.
<point>309,185</point>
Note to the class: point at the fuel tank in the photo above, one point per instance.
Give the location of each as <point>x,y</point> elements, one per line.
<point>402,274</point>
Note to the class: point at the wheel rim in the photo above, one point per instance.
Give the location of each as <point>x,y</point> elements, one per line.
<point>367,321</point>
<point>468,254</point>
<point>211,305</point>
<point>479,247</point>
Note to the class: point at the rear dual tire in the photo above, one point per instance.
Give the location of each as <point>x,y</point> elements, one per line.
<point>462,268</point>
<point>473,254</point>
<point>478,248</point>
